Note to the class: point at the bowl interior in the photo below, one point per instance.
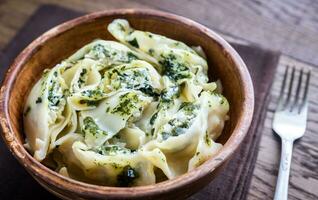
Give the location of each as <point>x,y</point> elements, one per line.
<point>55,49</point>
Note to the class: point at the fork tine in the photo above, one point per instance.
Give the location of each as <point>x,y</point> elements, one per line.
<point>290,86</point>
<point>305,95</point>
<point>296,100</point>
<point>281,94</point>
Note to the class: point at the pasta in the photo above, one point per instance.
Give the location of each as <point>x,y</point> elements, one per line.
<point>126,113</point>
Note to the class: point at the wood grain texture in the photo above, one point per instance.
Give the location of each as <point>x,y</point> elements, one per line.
<point>303,183</point>
<point>304,173</point>
<point>286,25</point>
<point>70,36</point>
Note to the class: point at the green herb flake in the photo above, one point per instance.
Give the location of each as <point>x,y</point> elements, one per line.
<point>174,69</point>
<point>207,139</point>
<point>88,102</point>
<point>126,104</point>
<point>153,118</point>
<point>68,67</point>
<point>83,72</point>
<point>134,43</point>
<point>55,95</point>
<point>116,166</point>
<point>94,94</point>
<point>27,110</point>
<point>45,73</point>
<point>90,127</point>
<point>112,150</point>
<point>121,27</point>
<point>152,132</point>
<point>107,109</point>
<point>131,56</point>
<point>38,100</point>
<point>169,94</point>
<point>99,51</point>
<point>189,107</point>
<point>151,51</point>
<point>150,91</point>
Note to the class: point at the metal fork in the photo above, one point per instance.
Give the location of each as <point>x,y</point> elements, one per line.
<point>290,123</point>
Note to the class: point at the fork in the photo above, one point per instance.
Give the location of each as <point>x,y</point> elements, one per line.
<point>290,123</point>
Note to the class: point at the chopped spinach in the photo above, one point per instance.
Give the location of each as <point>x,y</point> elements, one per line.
<point>127,104</point>
<point>174,69</point>
<point>90,127</point>
<point>55,94</point>
<point>99,51</point>
<point>167,95</point>
<point>149,90</point>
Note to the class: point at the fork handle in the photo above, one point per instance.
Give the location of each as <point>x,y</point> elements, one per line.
<point>281,191</point>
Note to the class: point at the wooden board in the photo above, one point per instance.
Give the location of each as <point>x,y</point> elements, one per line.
<point>304,173</point>
<point>289,26</point>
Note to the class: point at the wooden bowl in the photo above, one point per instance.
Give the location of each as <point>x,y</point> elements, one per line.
<point>61,41</point>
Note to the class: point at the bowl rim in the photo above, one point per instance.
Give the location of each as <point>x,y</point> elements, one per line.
<point>72,185</point>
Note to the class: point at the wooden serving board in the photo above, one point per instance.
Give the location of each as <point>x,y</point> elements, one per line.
<point>234,181</point>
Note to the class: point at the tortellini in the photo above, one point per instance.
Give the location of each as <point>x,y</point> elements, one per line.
<point>126,113</point>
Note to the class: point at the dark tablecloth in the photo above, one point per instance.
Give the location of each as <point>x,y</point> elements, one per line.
<point>232,183</point>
